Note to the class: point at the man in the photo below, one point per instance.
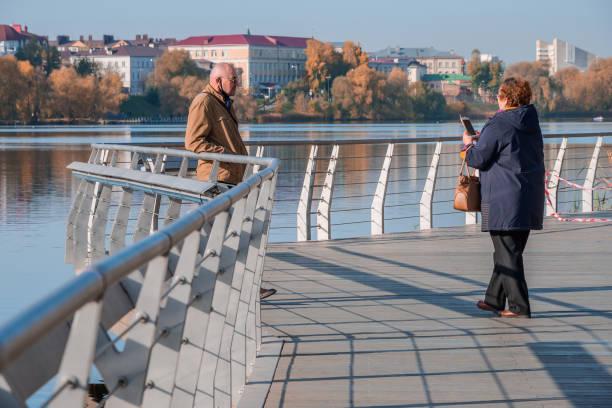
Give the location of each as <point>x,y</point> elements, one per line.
<point>212,127</point>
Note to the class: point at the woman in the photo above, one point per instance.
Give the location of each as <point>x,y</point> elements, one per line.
<point>509,154</point>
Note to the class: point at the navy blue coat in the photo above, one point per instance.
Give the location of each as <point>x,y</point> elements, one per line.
<point>510,157</point>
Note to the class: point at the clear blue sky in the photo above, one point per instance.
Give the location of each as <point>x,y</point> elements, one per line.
<point>508,29</point>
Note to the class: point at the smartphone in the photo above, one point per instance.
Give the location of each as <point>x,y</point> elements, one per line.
<point>465,121</point>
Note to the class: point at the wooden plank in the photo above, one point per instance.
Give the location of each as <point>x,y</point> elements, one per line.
<point>391,321</point>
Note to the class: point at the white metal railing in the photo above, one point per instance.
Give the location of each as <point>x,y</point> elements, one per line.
<point>189,287</point>
<point>432,188</point>
<point>308,206</point>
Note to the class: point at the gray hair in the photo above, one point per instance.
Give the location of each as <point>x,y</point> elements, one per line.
<point>220,69</point>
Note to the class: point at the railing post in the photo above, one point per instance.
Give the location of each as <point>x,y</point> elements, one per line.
<point>165,352</point>
<point>303,212</point>
<point>587,192</point>
<point>73,216</point>
<point>78,357</point>
<point>226,393</point>
<point>197,316</point>
<point>119,228</point>
<point>259,153</point>
<point>553,182</point>
<point>255,305</point>
<point>426,217</point>
<point>240,342</point>
<point>97,191</point>
<point>324,208</point>
<point>128,372</point>
<point>377,222</point>
<point>205,392</point>
<point>144,226</point>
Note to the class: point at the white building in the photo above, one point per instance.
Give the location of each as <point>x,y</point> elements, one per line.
<point>561,54</point>
<point>133,64</point>
<point>413,69</point>
<point>437,62</point>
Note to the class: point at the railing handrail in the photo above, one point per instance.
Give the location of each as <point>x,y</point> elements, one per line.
<point>398,139</point>
<point>327,141</point>
<point>17,334</point>
<point>227,158</point>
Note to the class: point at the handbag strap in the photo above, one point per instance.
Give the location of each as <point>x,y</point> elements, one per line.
<point>464,164</point>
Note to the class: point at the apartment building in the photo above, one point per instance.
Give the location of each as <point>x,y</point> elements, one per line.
<point>411,67</point>
<point>13,37</point>
<point>132,63</point>
<point>261,61</point>
<point>561,54</point>
<point>437,62</point>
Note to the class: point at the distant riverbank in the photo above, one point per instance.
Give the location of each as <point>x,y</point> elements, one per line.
<point>474,111</point>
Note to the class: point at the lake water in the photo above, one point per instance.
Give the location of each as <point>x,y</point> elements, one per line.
<point>36,188</point>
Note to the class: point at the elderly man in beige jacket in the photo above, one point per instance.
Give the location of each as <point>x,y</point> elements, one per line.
<point>212,127</point>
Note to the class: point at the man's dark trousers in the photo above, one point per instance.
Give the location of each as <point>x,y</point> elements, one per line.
<point>508,280</point>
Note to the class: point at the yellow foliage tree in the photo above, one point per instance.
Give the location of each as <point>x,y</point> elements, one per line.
<point>245,106</point>
<point>33,93</point>
<point>353,55</point>
<point>75,97</point>
<point>11,84</point>
<point>177,80</point>
<point>109,94</point>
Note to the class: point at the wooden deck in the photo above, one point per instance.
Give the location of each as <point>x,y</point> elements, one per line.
<point>392,321</point>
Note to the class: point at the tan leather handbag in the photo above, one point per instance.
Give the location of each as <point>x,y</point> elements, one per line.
<point>467,192</point>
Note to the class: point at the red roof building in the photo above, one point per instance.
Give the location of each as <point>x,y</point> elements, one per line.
<point>260,58</point>
<point>14,37</point>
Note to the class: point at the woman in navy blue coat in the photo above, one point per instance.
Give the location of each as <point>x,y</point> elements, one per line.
<point>509,154</point>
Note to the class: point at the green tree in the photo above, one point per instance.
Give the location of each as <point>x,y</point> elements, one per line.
<point>51,58</point>
<point>31,51</point>
<point>85,66</point>
<point>428,104</point>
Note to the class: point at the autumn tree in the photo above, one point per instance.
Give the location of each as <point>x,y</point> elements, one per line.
<point>109,95</point>
<point>361,93</point>
<point>73,96</point>
<point>245,105</point>
<point>597,86</point>
<point>542,86</point>
<point>323,63</point>
<point>353,55</point>
<point>11,85</point>
<point>33,93</point>
<point>177,80</point>
<point>397,103</point>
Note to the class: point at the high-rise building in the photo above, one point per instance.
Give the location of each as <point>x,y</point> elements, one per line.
<point>259,60</point>
<point>560,55</point>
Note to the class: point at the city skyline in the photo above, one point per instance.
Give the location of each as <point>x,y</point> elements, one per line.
<point>442,25</point>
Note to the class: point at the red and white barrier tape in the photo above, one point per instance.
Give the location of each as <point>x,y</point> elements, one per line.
<point>559,217</point>
<point>606,187</point>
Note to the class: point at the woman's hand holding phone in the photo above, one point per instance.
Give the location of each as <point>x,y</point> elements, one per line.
<point>467,138</point>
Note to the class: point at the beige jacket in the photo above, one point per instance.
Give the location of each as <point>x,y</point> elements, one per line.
<point>212,128</point>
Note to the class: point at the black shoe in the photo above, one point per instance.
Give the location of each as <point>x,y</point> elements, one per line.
<point>264,293</point>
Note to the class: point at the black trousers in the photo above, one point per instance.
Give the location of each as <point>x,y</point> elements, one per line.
<point>508,280</point>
